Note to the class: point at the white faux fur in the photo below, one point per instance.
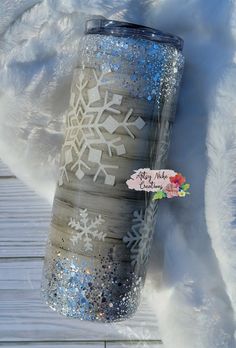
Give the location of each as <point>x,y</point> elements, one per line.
<point>220,193</point>
<point>191,281</point>
<point>220,190</point>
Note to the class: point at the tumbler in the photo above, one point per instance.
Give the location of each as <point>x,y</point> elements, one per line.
<point>121,110</point>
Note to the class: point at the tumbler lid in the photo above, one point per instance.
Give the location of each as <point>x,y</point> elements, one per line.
<point>118,28</point>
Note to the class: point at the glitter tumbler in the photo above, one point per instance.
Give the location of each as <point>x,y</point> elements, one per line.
<point>121,110</point>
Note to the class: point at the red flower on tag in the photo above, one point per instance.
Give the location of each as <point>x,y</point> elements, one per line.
<point>177,179</point>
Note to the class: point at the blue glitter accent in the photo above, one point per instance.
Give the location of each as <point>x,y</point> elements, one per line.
<point>154,66</point>
<point>156,77</point>
<point>133,77</point>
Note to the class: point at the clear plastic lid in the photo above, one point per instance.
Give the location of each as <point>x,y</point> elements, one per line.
<point>118,28</point>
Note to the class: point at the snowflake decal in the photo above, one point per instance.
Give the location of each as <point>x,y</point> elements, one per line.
<point>139,239</point>
<point>91,127</point>
<point>86,229</point>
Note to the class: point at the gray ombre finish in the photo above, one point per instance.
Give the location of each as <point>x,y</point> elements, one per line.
<point>122,105</point>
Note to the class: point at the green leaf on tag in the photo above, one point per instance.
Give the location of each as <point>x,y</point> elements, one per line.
<point>159,195</point>
<point>185,187</point>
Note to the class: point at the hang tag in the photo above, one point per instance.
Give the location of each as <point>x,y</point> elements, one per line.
<point>164,183</point>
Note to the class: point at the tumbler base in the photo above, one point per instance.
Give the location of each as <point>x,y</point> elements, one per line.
<point>75,290</point>
<point>98,319</point>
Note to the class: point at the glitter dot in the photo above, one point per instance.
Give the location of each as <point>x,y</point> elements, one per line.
<point>156,77</point>
<point>133,77</point>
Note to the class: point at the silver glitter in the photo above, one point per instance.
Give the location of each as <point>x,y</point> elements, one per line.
<point>75,288</point>
<point>138,59</point>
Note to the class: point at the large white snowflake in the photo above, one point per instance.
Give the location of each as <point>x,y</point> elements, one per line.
<point>86,229</point>
<point>139,238</point>
<point>91,126</point>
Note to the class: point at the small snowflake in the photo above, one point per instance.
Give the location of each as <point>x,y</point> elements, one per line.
<point>91,130</point>
<point>139,239</point>
<point>87,229</point>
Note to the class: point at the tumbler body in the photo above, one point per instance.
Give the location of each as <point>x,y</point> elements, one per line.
<point>122,106</point>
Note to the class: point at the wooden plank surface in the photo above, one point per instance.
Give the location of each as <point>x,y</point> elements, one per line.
<point>76,344</point>
<point>24,220</point>
<point>137,344</point>
<point>4,170</point>
<point>81,344</point>
<point>24,318</point>
<point>21,305</point>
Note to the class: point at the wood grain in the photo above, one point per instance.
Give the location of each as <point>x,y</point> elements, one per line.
<point>105,126</point>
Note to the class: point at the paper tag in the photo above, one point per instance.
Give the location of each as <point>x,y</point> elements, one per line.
<point>165,183</point>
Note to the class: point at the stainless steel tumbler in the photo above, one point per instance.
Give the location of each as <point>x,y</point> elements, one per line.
<point>122,106</point>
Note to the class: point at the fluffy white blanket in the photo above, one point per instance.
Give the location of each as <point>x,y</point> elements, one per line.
<point>192,282</point>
